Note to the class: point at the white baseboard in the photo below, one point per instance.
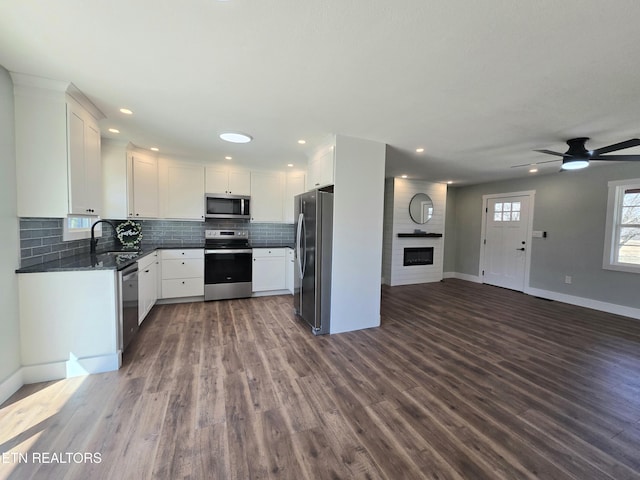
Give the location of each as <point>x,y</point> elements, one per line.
<point>73,367</point>
<point>77,367</point>
<point>11,385</point>
<point>44,372</point>
<point>586,302</point>
<point>564,298</point>
<point>463,276</point>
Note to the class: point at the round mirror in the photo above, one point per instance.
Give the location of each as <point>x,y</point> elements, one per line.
<point>421,208</point>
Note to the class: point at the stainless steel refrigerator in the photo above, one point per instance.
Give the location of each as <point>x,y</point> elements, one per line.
<point>312,285</point>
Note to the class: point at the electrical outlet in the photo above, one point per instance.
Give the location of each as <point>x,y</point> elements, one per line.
<point>568,279</point>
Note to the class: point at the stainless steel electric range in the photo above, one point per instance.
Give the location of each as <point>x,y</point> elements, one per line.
<point>227,264</point>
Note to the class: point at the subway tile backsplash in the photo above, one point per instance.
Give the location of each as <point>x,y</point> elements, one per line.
<point>41,238</point>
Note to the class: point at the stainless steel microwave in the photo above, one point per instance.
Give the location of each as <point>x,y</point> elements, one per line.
<point>227,206</point>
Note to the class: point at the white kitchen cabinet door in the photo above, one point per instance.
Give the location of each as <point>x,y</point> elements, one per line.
<point>143,199</point>
<point>326,168</point>
<point>269,272</point>
<point>93,168</point>
<point>147,285</point>
<point>227,182</point>
<point>216,180</point>
<point>295,183</point>
<point>185,192</point>
<point>267,196</point>
<point>321,169</point>
<point>290,269</point>
<point>239,183</point>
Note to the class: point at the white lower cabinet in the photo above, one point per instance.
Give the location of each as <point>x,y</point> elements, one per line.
<point>290,269</point>
<point>269,272</point>
<point>182,273</point>
<point>147,284</point>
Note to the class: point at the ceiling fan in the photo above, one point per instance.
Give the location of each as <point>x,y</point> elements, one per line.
<point>578,156</point>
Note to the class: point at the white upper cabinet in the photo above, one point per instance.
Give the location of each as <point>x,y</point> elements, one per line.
<point>181,190</point>
<point>267,195</point>
<point>143,186</point>
<point>130,181</point>
<point>85,176</point>
<point>227,182</point>
<point>57,149</point>
<point>294,185</point>
<point>321,168</point>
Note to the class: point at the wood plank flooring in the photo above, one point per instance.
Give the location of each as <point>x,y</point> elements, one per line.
<point>461,381</point>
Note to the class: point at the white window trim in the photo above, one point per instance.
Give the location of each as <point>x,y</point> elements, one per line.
<point>614,199</point>
<point>79,233</point>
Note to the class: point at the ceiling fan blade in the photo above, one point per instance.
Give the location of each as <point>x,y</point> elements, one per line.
<point>617,158</point>
<point>634,142</point>
<point>535,163</point>
<point>550,152</point>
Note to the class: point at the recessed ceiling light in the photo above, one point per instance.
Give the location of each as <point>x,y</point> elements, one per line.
<point>289,164</point>
<point>302,142</point>
<point>419,150</point>
<point>449,182</point>
<point>236,137</point>
<point>404,176</point>
<point>533,170</point>
<point>155,149</point>
<point>228,157</point>
<point>114,130</point>
<point>126,111</point>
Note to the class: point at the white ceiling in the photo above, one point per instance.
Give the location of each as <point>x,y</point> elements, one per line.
<point>479,85</point>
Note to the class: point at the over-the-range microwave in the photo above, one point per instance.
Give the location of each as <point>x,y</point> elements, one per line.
<point>227,206</point>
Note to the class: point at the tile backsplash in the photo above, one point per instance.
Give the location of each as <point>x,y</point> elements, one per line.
<point>41,238</point>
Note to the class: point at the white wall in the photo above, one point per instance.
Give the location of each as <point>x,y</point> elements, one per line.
<point>10,379</point>
<point>387,234</point>
<point>357,234</point>
<point>403,191</point>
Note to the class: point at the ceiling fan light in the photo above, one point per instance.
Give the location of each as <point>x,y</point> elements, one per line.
<point>575,164</point>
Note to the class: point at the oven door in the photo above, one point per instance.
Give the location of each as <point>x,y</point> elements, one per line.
<point>227,273</point>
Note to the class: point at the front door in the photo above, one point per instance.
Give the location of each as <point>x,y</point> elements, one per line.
<point>506,241</point>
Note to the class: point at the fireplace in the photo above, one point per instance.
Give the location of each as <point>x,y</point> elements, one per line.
<point>418,256</point>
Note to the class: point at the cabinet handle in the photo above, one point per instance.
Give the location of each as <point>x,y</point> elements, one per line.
<point>183,283</point>
<point>146,271</point>
<point>183,263</point>
<point>137,214</point>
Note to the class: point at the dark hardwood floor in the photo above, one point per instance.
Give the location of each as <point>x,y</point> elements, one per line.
<point>461,381</point>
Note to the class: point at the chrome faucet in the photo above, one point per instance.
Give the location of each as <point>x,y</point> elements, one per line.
<point>94,240</point>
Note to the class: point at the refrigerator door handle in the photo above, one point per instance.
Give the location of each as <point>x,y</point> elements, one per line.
<point>299,245</point>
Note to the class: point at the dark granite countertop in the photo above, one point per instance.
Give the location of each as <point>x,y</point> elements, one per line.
<point>115,260</point>
<point>273,245</point>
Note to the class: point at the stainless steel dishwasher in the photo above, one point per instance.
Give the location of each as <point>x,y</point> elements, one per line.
<point>128,299</point>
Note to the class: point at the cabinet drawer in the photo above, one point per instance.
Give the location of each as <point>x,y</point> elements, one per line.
<point>183,268</point>
<point>186,287</point>
<point>268,252</point>
<point>186,253</point>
